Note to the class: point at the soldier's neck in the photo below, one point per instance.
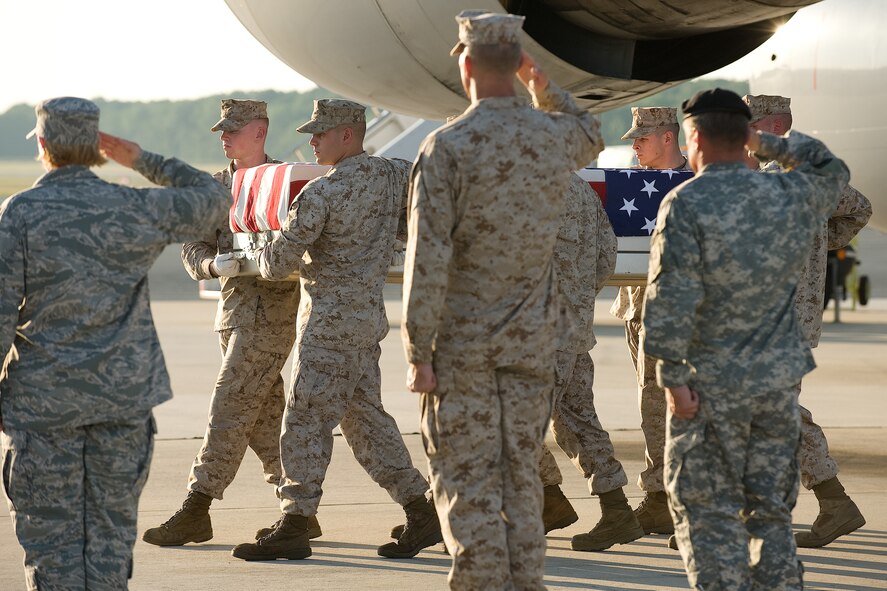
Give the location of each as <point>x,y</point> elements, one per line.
<point>489,86</point>
<point>671,160</point>
<point>250,161</point>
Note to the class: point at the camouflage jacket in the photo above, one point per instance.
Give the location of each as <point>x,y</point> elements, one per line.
<point>584,258</point>
<point>727,252</point>
<point>630,299</point>
<point>486,202</point>
<point>246,301</point>
<point>74,291</point>
<point>339,234</point>
<point>850,216</point>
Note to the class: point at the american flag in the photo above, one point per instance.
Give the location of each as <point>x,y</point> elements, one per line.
<point>263,194</point>
<point>631,196</point>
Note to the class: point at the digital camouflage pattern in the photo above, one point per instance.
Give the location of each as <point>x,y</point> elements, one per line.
<point>339,235</point>
<point>246,301</point>
<point>341,387</point>
<point>481,303</point>
<point>68,121</point>
<point>627,306</point>
<point>479,27</point>
<point>646,120</point>
<point>764,105</point>
<point>330,113</point>
<point>87,367</point>
<point>238,112</point>
<point>737,342</point>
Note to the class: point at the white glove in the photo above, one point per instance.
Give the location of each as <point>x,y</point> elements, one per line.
<point>225,265</point>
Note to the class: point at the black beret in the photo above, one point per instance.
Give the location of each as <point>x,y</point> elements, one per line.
<point>715,100</point>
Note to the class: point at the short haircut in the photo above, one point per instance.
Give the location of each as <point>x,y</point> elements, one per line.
<point>497,58</point>
<point>729,130</point>
<point>674,128</point>
<point>59,155</point>
<point>786,119</point>
<point>359,129</point>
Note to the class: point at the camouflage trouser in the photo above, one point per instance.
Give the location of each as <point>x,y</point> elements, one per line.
<point>73,495</point>
<point>483,432</point>
<point>651,399</point>
<point>817,465</point>
<point>578,430</point>
<point>732,479</point>
<point>340,388</point>
<point>245,410</point>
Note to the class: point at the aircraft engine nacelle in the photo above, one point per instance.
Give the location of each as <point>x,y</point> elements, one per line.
<point>607,53</point>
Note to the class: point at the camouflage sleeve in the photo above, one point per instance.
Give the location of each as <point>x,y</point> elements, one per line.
<point>429,250</point>
<point>851,216</point>
<point>402,174</point>
<point>819,174</point>
<point>305,221</point>
<point>12,276</point>
<point>581,132</point>
<point>607,246</point>
<point>198,256</point>
<point>189,201</point>
<point>674,290</point>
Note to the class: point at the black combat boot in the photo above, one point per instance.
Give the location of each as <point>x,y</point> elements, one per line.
<point>838,516</point>
<point>289,540</point>
<point>653,514</point>
<point>618,525</point>
<point>557,512</point>
<point>191,523</point>
<point>422,529</point>
<point>314,530</point>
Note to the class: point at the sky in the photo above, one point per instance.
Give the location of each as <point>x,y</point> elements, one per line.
<point>131,50</point>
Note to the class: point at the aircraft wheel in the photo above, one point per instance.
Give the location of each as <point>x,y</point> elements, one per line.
<point>864,290</point>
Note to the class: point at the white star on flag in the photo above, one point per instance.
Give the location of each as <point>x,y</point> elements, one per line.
<point>669,172</point>
<point>628,207</point>
<point>627,172</point>
<point>649,226</point>
<point>649,188</point>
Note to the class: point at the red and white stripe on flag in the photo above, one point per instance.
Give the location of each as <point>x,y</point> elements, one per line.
<point>263,194</point>
<point>597,179</point>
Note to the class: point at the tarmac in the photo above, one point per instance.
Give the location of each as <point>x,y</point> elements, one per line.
<point>846,395</point>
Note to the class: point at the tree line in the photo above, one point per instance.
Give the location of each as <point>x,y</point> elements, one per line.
<point>182,128</point>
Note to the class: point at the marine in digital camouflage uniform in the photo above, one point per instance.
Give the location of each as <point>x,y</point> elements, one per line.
<point>584,257</point>
<point>654,135</point>
<point>256,326</point>
<point>838,514</point>
<point>83,365</point>
<point>339,234</point>
<point>727,252</point>
<point>481,303</point>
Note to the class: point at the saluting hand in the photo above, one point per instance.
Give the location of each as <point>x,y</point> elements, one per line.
<point>682,402</point>
<point>754,141</point>
<point>421,378</point>
<point>531,75</point>
<point>119,150</point>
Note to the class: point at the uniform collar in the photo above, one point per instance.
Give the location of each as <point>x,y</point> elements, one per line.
<point>722,166</point>
<point>65,174</point>
<point>500,102</point>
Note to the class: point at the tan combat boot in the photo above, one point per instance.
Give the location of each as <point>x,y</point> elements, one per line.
<point>838,516</point>
<point>653,514</point>
<point>421,530</point>
<point>191,523</point>
<point>289,540</point>
<point>314,530</point>
<point>618,525</point>
<point>557,512</point>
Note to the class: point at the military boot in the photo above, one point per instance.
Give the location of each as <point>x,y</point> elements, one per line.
<point>557,512</point>
<point>191,523</point>
<point>289,540</point>
<point>314,530</point>
<point>838,516</point>
<point>618,525</point>
<point>653,514</point>
<point>421,530</point>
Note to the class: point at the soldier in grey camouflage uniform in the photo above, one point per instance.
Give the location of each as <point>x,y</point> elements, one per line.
<point>838,514</point>
<point>654,135</point>
<point>584,257</point>
<point>727,252</point>
<point>339,235</point>
<point>83,364</point>
<point>481,303</point>
<point>256,326</point>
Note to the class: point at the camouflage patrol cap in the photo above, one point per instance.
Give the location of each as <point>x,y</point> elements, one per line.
<point>764,105</point>
<point>68,121</point>
<point>646,120</point>
<point>330,113</point>
<point>238,112</point>
<point>480,27</point>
